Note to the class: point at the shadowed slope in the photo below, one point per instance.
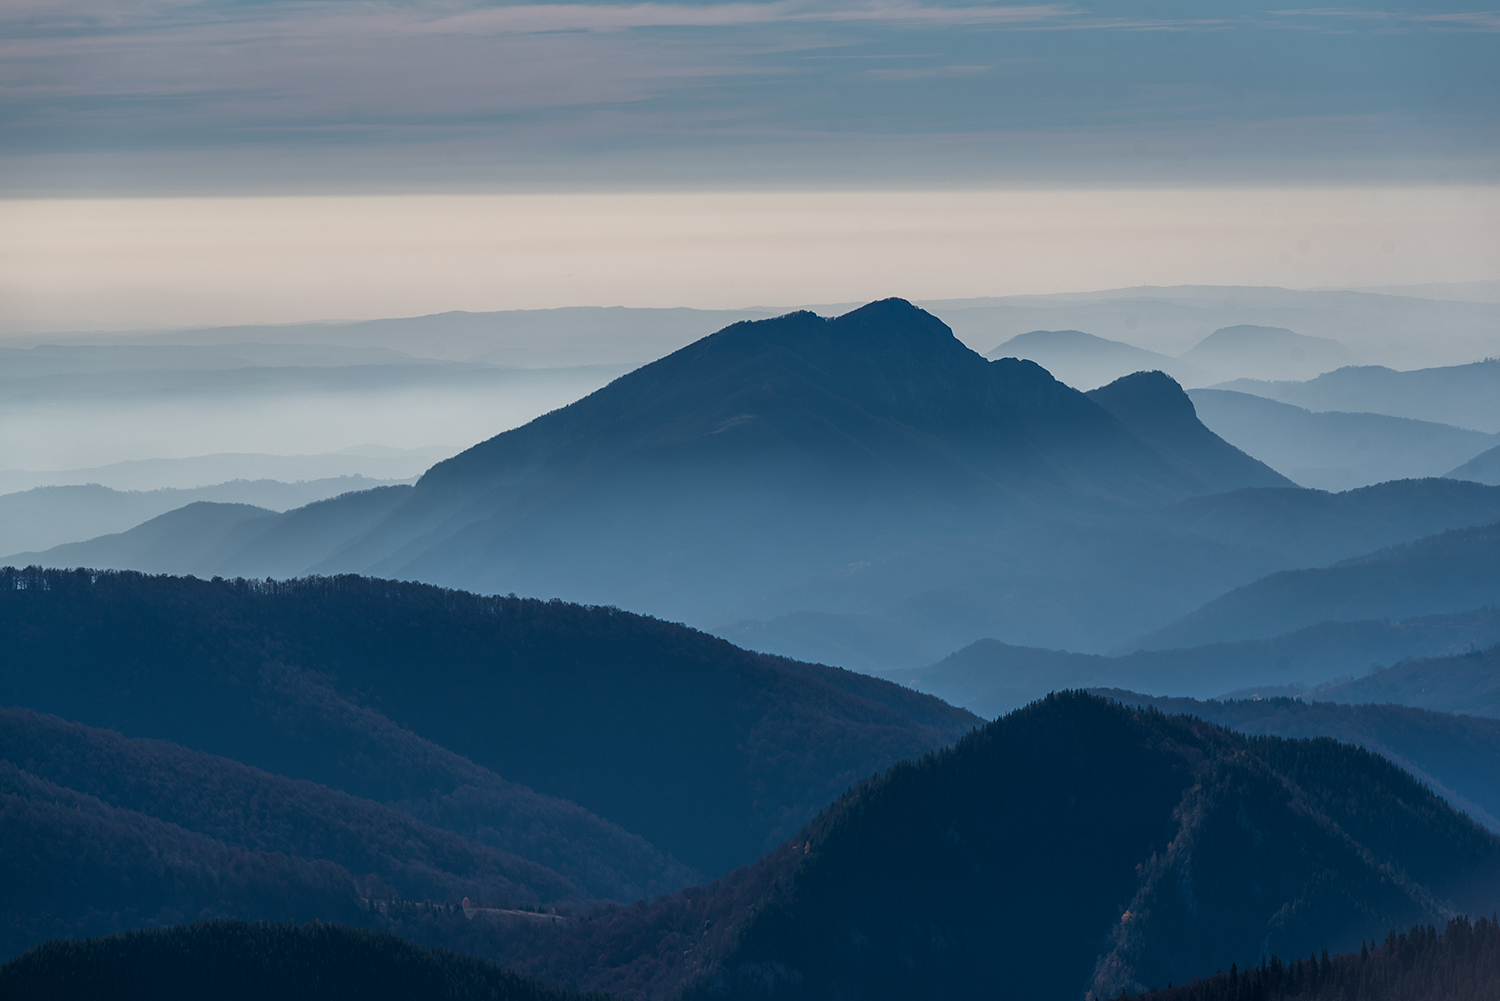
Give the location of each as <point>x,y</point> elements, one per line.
<point>1154,407</point>
<point>708,751</point>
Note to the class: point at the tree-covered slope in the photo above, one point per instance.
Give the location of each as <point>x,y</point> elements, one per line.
<point>1460,964</point>
<point>252,809</point>
<point>709,752</point>
<point>1077,845</point>
<point>239,961</point>
<point>1457,756</point>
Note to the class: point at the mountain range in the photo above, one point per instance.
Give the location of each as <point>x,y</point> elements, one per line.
<point>1451,572</point>
<point>1332,450</point>
<point>43,517</point>
<point>1084,361</point>
<point>851,462</point>
<point>989,677</point>
<point>1466,396</point>
<point>1457,756</point>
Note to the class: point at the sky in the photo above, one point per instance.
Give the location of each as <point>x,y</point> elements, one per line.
<point>80,264</point>
<point>190,161</point>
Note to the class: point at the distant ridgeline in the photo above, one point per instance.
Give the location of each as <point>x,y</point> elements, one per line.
<point>1461,964</point>
<point>236,961</point>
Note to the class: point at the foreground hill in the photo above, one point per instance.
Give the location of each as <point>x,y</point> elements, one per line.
<point>1457,570</point>
<point>990,677</point>
<point>1461,964</point>
<point>1173,844</point>
<point>233,960</point>
<point>1071,846</point>
<point>1458,757</point>
<point>382,690</point>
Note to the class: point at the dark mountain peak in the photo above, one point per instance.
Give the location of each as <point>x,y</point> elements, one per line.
<point>1157,410</point>
<point>1154,394</point>
<point>883,335</point>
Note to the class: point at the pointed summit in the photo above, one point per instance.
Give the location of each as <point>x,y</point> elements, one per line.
<point>773,454</point>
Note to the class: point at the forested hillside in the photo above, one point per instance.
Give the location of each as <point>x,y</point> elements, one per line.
<point>1457,756</point>
<point>1073,845</point>
<point>395,692</point>
<point>237,961</point>
<point>1460,964</point>
<point>85,811</point>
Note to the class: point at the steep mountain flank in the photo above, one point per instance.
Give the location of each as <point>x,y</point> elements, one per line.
<point>1156,410</point>
<point>1078,845</point>
<point>1073,846</point>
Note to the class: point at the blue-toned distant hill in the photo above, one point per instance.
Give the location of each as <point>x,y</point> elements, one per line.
<point>43,517</point>
<point>1285,527</point>
<point>1085,361</point>
<point>1466,682</point>
<point>1459,569</point>
<point>1483,468</point>
<point>1309,528</point>
<point>990,677</point>
<point>1466,396</point>
<point>1332,450</point>
<point>382,689</point>
<point>1257,352</point>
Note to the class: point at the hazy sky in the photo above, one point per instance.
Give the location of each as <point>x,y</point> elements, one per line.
<point>427,155</point>
<point>215,96</point>
<point>82,263</point>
